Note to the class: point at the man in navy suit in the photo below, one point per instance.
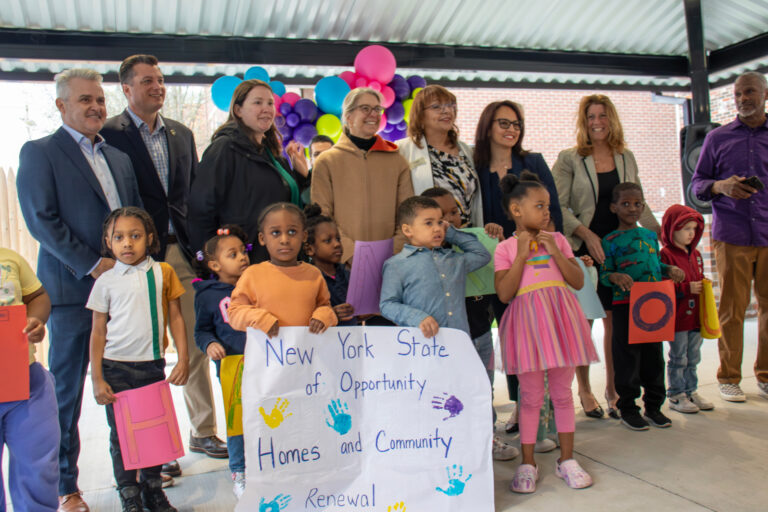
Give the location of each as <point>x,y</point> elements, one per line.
<point>68,182</point>
<point>164,159</point>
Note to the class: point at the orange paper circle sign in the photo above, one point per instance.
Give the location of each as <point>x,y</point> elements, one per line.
<point>669,309</point>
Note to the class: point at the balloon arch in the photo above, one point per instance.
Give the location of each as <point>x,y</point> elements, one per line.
<point>300,119</point>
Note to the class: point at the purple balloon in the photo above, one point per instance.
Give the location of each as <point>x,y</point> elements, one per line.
<point>400,86</point>
<point>397,134</point>
<point>304,132</point>
<point>286,132</point>
<point>395,113</point>
<point>279,121</point>
<point>292,119</point>
<point>387,128</point>
<point>416,81</point>
<point>285,108</point>
<point>306,109</point>
<point>402,125</point>
<point>387,136</point>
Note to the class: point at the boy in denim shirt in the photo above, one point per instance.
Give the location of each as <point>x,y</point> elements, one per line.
<point>423,286</point>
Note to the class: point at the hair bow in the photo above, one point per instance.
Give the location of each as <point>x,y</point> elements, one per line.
<point>199,255</point>
<point>221,231</point>
<point>248,247</point>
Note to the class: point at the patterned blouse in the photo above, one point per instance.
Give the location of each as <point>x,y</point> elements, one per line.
<point>455,174</point>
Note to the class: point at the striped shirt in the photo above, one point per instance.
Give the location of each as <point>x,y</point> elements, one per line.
<point>136,297</point>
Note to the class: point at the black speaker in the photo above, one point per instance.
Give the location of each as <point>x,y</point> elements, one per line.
<point>691,140</point>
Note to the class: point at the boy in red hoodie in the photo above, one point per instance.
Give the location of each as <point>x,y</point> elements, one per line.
<point>681,229</point>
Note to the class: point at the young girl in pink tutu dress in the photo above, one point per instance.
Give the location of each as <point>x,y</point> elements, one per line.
<point>543,329</point>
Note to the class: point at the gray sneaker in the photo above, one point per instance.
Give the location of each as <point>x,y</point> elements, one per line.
<point>704,404</point>
<point>762,389</point>
<point>681,403</point>
<point>503,451</point>
<point>545,445</point>
<point>732,393</point>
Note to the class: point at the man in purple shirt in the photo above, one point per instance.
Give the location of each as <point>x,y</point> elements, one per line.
<point>730,156</point>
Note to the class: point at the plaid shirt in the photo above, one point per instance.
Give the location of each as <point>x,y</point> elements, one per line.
<point>157,146</point>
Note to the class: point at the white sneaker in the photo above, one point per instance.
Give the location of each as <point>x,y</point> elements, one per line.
<point>762,389</point>
<point>544,446</point>
<point>701,402</point>
<point>238,487</point>
<point>732,393</point>
<point>681,403</point>
<point>503,451</point>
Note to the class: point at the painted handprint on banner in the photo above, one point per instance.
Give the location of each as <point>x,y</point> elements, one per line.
<point>451,404</point>
<point>276,505</point>
<point>342,421</point>
<point>397,507</point>
<point>456,480</point>
<point>276,417</point>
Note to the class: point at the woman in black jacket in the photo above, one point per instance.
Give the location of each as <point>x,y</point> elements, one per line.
<point>242,172</point>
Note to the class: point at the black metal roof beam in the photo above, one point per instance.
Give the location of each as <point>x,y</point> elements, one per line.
<point>698,67</point>
<point>738,53</point>
<point>101,46</point>
<point>47,76</point>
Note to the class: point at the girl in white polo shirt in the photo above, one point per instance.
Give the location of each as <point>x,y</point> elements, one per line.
<point>132,304</point>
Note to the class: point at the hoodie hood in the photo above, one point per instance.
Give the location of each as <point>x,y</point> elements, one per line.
<point>380,144</point>
<point>675,218</point>
<point>204,285</point>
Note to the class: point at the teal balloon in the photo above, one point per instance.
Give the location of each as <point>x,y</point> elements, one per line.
<point>278,87</point>
<point>222,90</point>
<point>257,72</point>
<point>330,93</point>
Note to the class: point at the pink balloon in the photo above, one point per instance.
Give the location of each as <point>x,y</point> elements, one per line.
<point>361,82</point>
<point>349,77</point>
<point>376,62</point>
<point>389,96</point>
<point>383,122</point>
<point>291,98</point>
<point>278,101</point>
<point>376,86</point>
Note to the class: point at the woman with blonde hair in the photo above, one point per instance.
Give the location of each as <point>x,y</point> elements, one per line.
<point>437,157</point>
<point>362,179</point>
<point>585,176</point>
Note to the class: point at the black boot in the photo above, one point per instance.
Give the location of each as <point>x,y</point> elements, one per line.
<point>130,497</point>
<point>154,497</point>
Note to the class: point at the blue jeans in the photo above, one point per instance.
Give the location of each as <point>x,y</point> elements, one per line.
<point>684,355</point>
<point>30,428</point>
<point>236,449</point>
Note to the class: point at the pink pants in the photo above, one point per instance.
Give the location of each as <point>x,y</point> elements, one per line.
<point>532,398</point>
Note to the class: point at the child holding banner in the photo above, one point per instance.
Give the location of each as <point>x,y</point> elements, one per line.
<point>478,309</point>
<point>132,303</point>
<point>282,291</point>
<point>29,427</point>
<point>543,330</point>
<point>226,256</point>
<point>632,254</point>
<point>681,230</point>
<point>324,249</point>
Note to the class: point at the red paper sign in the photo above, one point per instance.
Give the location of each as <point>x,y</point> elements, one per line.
<point>652,312</point>
<point>14,347</point>
<point>147,427</point>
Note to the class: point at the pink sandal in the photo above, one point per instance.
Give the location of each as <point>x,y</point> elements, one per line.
<point>573,474</point>
<point>525,478</point>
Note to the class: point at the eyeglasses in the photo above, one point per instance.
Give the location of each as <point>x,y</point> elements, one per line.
<point>367,109</point>
<point>506,124</point>
<point>437,107</point>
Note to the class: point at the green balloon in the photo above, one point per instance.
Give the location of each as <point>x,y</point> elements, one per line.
<point>328,124</point>
<point>407,106</point>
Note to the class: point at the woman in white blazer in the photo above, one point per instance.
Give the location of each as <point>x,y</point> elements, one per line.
<point>585,176</point>
<point>436,155</point>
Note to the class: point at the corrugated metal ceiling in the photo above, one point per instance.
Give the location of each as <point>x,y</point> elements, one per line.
<point>620,26</point>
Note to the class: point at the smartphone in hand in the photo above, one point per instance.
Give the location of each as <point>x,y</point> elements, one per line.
<point>754,182</point>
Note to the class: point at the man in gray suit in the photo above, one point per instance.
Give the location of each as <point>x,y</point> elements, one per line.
<point>68,182</point>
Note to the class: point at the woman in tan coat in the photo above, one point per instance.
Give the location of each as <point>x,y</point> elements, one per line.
<point>585,176</point>
<point>361,180</point>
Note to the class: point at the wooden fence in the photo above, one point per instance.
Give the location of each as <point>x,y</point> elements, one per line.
<point>14,234</point>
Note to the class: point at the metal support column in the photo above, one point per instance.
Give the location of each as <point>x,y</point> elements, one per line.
<point>697,57</point>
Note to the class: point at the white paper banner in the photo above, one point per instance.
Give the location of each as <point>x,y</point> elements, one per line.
<point>366,419</point>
